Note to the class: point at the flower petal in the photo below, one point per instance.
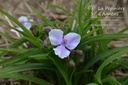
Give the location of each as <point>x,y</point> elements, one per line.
<point>22,19</point>
<point>31,20</point>
<point>61,51</point>
<point>73,39</point>
<point>27,25</point>
<point>88,31</point>
<point>12,30</point>
<point>55,36</point>
<point>19,28</point>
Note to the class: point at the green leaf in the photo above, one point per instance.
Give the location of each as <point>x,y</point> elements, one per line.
<point>106,62</point>
<point>17,43</point>
<point>92,84</point>
<point>89,34</point>
<point>104,37</point>
<point>18,50</point>
<point>61,66</point>
<point>123,80</point>
<point>80,15</point>
<point>125,63</point>
<point>34,41</point>
<point>125,29</point>
<point>116,64</point>
<point>39,56</point>
<point>103,45</point>
<point>89,23</point>
<point>102,56</point>
<point>6,37</point>
<point>111,81</point>
<point>43,17</point>
<point>23,67</point>
<point>21,56</point>
<point>14,44</point>
<point>61,8</point>
<point>25,77</point>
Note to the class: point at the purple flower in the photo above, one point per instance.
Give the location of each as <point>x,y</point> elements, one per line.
<point>64,43</point>
<point>24,21</point>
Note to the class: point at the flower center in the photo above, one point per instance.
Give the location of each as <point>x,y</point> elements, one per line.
<point>22,22</point>
<point>64,41</point>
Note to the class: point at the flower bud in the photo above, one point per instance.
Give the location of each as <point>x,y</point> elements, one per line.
<point>71,63</point>
<point>72,54</point>
<point>81,61</point>
<point>45,44</point>
<point>47,29</point>
<point>79,52</point>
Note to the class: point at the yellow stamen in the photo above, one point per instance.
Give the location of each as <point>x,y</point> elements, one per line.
<point>65,40</point>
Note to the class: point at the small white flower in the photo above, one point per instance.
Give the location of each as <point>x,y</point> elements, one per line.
<point>24,21</point>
